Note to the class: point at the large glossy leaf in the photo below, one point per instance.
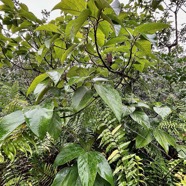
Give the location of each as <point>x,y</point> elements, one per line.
<point>38,118</point>
<point>68,153</point>
<point>49,27</point>
<point>111,97</point>
<point>67,177</point>
<point>71,6</point>
<point>10,122</point>
<point>55,75</point>
<point>144,138</point>
<point>55,126</point>
<point>104,169</point>
<point>35,82</point>
<point>41,89</point>
<point>162,111</point>
<point>181,149</point>
<point>141,118</point>
<point>87,168</point>
<point>127,110</point>
<point>150,28</point>
<point>81,98</point>
<point>164,139</point>
<point>101,182</point>
<point>60,176</point>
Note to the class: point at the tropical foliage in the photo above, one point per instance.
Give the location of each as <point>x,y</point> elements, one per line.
<point>92,98</point>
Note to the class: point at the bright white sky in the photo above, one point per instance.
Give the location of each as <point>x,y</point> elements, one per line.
<point>36,6</point>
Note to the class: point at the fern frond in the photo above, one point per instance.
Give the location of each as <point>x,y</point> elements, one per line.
<point>127,167</point>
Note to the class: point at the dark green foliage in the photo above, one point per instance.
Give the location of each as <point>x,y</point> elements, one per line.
<point>86,101</point>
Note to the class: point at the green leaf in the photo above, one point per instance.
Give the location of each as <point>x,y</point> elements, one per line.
<point>100,182</point>
<point>92,7</point>
<point>116,40</point>
<point>150,37</point>
<point>155,3</point>
<point>140,66</point>
<point>59,47</point>
<point>107,18</point>
<point>10,122</point>
<point>8,3</point>
<point>127,110</point>
<point>111,97</point>
<point>164,139</point>
<point>38,118</point>
<point>102,4</point>
<point>66,177</point>
<point>60,176</point>
<point>181,149</point>
<point>35,82</point>
<point>81,98</point>
<point>29,15</point>
<point>66,53</point>
<point>48,27</point>
<point>24,7</point>
<point>105,27</point>
<point>104,169</point>
<point>68,153</point>
<point>71,6</point>
<point>87,168</point>
<point>100,37</point>
<point>55,126</point>
<point>144,46</point>
<point>141,104</point>
<point>77,24</point>
<point>76,79</point>
<point>162,111</point>
<point>144,138</point>
<point>141,118</point>
<point>150,28</point>
<point>41,89</point>
<point>55,75</point>
<point>24,25</point>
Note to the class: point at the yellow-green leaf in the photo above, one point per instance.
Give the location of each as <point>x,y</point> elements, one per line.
<point>48,27</point>
<point>66,53</point>
<point>35,82</point>
<point>150,28</point>
<point>74,7</point>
